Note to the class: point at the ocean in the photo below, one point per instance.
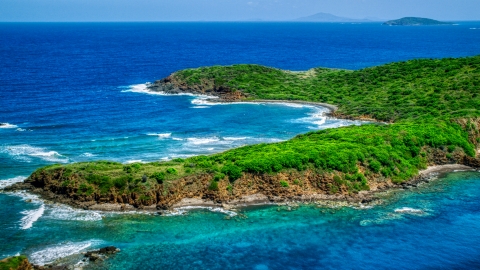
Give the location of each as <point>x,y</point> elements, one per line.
<point>75,92</point>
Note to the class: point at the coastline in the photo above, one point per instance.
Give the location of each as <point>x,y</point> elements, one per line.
<point>360,199</point>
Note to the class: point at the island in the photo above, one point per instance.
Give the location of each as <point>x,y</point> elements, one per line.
<point>421,113</point>
<point>412,21</point>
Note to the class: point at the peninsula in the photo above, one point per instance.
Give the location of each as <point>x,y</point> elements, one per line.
<point>425,112</point>
<point>412,21</point>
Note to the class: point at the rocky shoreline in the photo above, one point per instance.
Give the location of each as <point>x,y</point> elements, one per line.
<point>360,198</point>
<point>68,263</point>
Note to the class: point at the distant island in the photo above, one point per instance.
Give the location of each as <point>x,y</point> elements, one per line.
<point>410,21</point>
<point>327,17</point>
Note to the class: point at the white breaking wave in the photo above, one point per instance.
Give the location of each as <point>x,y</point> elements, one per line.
<point>133,161</point>
<point>52,253</point>
<point>177,139</point>
<point>408,210</point>
<point>317,117</point>
<point>25,153</point>
<point>31,216</point>
<point>198,141</point>
<point>235,138</point>
<point>21,129</point>
<point>143,89</point>
<point>87,155</point>
<point>8,182</point>
<point>63,212</point>
<point>200,107</point>
<point>160,135</point>
<point>184,210</point>
<point>7,125</point>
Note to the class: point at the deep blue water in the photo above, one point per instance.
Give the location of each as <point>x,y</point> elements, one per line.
<point>69,92</point>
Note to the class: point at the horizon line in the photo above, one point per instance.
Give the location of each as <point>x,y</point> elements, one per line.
<point>219,21</point>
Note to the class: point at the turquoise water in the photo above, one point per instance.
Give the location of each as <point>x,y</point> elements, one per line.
<point>431,227</point>
<point>74,92</point>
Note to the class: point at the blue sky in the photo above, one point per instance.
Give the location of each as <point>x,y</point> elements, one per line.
<point>231,10</point>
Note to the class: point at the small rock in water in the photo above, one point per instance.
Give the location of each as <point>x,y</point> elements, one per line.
<point>100,254</point>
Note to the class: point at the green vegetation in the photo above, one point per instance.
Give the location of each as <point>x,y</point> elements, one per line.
<point>12,263</point>
<point>423,101</point>
<point>415,21</point>
<point>405,90</point>
<point>284,184</point>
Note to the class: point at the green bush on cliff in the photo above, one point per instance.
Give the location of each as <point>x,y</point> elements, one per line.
<point>284,184</point>
<point>171,171</point>
<point>233,172</point>
<point>12,262</point>
<point>159,177</point>
<point>85,189</point>
<point>213,186</point>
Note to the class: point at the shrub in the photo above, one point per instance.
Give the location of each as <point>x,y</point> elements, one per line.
<point>213,186</point>
<point>337,179</point>
<point>171,171</point>
<point>121,182</point>
<point>127,169</point>
<point>159,177</point>
<point>284,184</point>
<point>375,166</point>
<point>234,172</point>
<point>85,189</point>
<point>218,177</point>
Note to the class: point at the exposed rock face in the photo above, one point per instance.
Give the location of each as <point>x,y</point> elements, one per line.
<point>101,254</point>
<point>172,85</point>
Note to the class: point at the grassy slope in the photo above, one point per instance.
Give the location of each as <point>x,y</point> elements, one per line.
<point>420,97</point>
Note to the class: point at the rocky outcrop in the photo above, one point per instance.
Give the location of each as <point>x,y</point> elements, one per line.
<point>101,254</point>
<point>173,85</point>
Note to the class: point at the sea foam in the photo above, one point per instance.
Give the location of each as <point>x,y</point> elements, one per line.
<point>8,182</point>
<point>63,212</point>
<point>408,210</point>
<point>26,152</point>
<point>52,253</point>
<point>198,141</point>
<point>185,209</point>
<point>31,216</point>
<point>143,89</point>
<point>160,135</point>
